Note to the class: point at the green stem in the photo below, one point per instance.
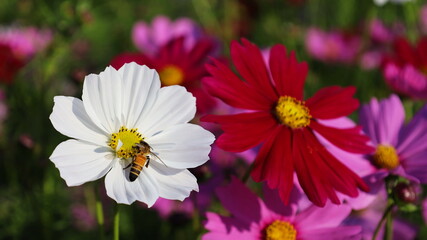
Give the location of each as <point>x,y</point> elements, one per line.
<point>247,173</point>
<point>388,235</point>
<point>383,218</point>
<point>100,218</point>
<point>116,222</point>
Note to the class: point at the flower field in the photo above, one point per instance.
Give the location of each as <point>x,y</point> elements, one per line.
<point>211,119</point>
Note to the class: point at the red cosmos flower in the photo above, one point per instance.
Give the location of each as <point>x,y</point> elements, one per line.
<point>285,124</point>
<point>177,65</point>
<point>9,64</point>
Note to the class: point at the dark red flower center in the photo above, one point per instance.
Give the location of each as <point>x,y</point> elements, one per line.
<point>292,112</point>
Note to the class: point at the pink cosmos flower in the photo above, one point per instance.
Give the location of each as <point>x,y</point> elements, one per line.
<point>149,38</point>
<point>253,219</point>
<point>332,46</point>
<point>401,149</point>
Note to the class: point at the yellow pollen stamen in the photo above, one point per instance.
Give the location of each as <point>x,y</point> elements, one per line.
<point>171,75</point>
<point>280,230</point>
<point>123,142</point>
<point>385,156</point>
<point>292,112</point>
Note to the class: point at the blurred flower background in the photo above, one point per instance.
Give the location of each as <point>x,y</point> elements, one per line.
<point>379,47</point>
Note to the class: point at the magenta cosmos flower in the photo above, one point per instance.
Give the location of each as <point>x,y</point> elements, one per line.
<point>150,38</point>
<point>254,219</point>
<point>285,123</point>
<point>332,46</point>
<point>406,71</point>
<point>400,149</point>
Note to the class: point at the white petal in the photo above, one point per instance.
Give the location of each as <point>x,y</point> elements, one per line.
<point>140,88</point>
<point>182,146</point>
<point>79,162</point>
<point>174,184</point>
<point>174,105</point>
<point>102,99</point>
<point>119,188</point>
<point>70,118</point>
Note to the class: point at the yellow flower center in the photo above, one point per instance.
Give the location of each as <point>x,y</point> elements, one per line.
<point>292,112</point>
<point>280,230</point>
<point>171,75</point>
<point>123,141</point>
<point>424,70</point>
<point>385,156</point>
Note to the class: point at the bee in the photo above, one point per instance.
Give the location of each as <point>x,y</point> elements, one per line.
<point>141,159</point>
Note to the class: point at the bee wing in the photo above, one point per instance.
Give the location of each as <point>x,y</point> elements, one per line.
<point>157,156</point>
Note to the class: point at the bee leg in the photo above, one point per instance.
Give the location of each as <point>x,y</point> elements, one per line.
<point>148,161</point>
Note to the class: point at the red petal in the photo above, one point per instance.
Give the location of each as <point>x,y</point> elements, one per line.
<point>225,85</point>
<point>422,49</point>
<point>274,163</point>
<point>348,139</point>
<point>243,131</point>
<point>200,52</point>
<point>341,177</point>
<point>332,102</point>
<point>249,63</point>
<point>320,173</point>
<point>307,173</point>
<point>289,75</point>
<point>404,51</point>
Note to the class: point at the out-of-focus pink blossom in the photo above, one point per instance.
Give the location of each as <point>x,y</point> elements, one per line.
<point>381,40</point>
<point>83,219</point>
<point>166,208</point>
<point>149,38</point>
<point>26,140</point>
<point>406,71</point>
<point>332,47</point>
<point>17,46</point>
<point>25,42</point>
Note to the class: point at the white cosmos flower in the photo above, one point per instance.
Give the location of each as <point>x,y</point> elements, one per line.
<point>382,2</point>
<point>128,105</point>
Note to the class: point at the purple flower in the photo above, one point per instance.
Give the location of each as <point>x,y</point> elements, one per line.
<point>149,38</point>
<point>401,149</point>
<point>332,46</point>
<point>253,218</point>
